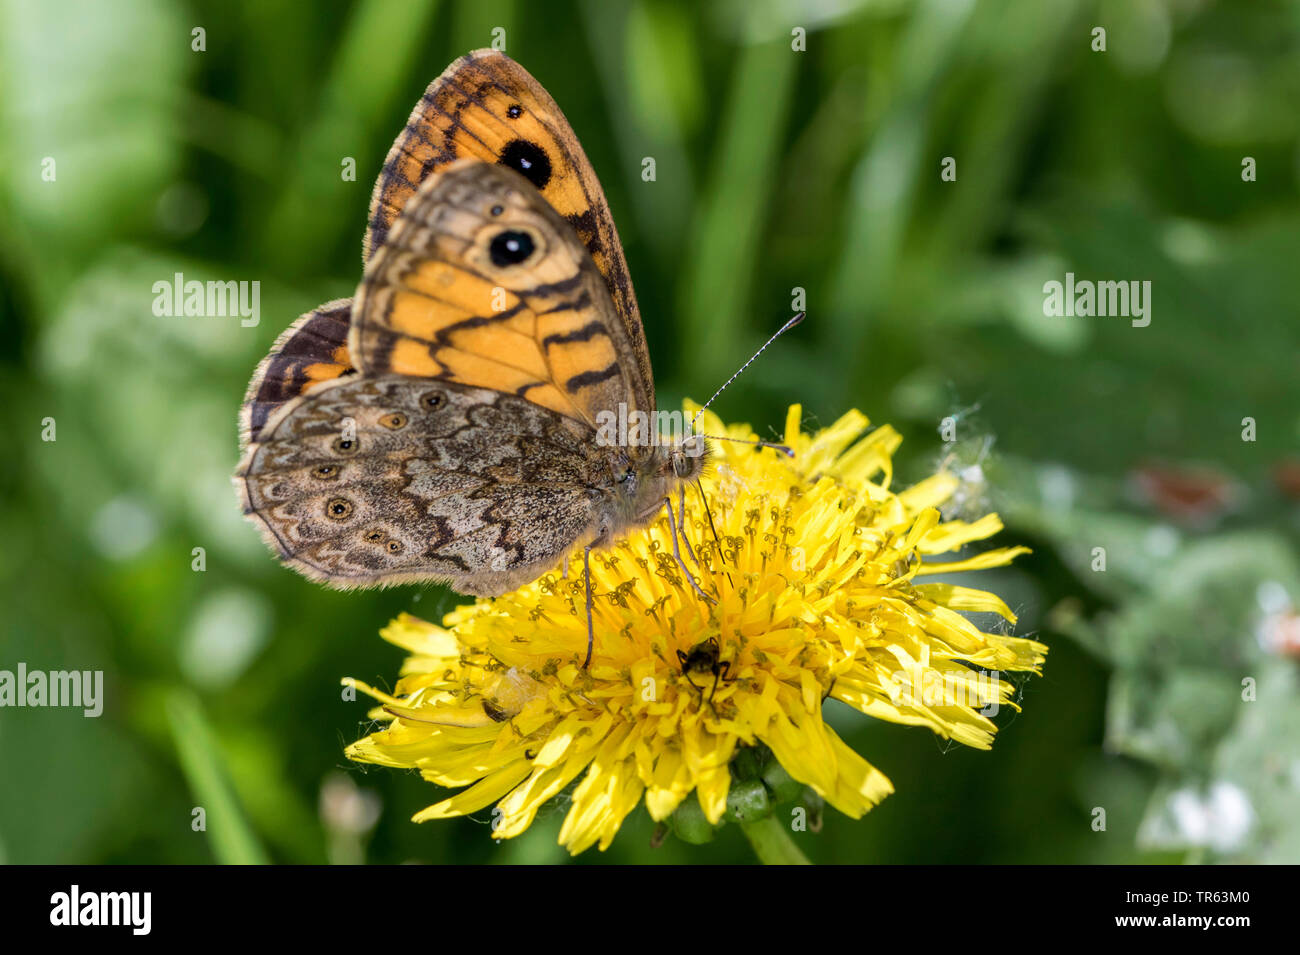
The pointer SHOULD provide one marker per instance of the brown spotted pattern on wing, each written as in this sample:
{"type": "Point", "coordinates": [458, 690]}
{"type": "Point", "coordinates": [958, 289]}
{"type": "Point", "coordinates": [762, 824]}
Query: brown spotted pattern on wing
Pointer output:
{"type": "Point", "coordinates": [311, 350]}
{"type": "Point", "coordinates": [486, 106]}
{"type": "Point", "coordinates": [387, 479]}
{"type": "Point", "coordinates": [481, 282]}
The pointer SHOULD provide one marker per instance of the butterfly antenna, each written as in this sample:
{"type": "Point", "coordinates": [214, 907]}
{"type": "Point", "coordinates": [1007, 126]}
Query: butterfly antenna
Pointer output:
{"type": "Point", "coordinates": [783, 448]}
{"type": "Point", "coordinates": [781, 331]}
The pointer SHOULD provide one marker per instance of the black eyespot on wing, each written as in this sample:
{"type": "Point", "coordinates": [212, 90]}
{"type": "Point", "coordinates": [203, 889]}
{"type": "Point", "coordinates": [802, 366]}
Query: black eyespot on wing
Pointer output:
{"type": "Point", "coordinates": [529, 159]}
{"type": "Point", "coordinates": [498, 209]}
{"type": "Point", "coordinates": [346, 446]}
{"type": "Point", "coordinates": [432, 400]}
{"type": "Point", "coordinates": [338, 509]}
{"type": "Point", "coordinates": [510, 247]}
{"type": "Point", "coordinates": [394, 421]}
{"type": "Point", "coordinates": [515, 111]}
{"type": "Point", "coordinates": [325, 472]}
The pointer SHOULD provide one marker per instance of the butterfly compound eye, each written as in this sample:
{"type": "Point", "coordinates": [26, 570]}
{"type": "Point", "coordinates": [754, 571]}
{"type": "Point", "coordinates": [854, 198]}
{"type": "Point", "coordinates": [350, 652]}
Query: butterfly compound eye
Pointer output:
{"type": "Point", "coordinates": [510, 247]}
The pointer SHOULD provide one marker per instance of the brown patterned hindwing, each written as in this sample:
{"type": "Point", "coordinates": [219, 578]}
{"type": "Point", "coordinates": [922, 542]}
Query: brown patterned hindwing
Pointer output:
{"type": "Point", "coordinates": [382, 480]}
{"type": "Point", "coordinates": [486, 106]}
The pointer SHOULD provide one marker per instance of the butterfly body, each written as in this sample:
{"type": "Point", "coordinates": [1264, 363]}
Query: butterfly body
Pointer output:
{"type": "Point", "coordinates": [443, 425]}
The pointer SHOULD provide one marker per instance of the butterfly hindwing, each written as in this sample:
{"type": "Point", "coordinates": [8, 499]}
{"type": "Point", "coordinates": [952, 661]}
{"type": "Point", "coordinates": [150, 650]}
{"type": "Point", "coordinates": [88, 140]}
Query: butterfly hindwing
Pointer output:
{"type": "Point", "coordinates": [380, 480]}
{"type": "Point", "coordinates": [486, 106]}
{"type": "Point", "coordinates": [481, 282]}
{"type": "Point", "coordinates": [312, 350]}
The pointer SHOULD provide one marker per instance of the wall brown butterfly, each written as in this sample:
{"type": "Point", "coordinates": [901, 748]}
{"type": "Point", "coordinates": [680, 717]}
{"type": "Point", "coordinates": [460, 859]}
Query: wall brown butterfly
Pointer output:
{"type": "Point", "coordinates": [442, 425]}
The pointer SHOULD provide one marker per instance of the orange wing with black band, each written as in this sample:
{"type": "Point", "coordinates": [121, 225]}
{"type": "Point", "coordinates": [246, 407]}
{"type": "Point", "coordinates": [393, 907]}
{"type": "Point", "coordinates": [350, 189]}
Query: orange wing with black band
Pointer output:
{"type": "Point", "coordinates": [486, 106]}
{"type": "Point", "coordinates": [481, 282]}
{"type": "Point", "coordinates": [311, 350]}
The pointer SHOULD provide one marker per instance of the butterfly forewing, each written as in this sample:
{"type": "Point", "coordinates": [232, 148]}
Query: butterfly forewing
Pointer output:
{"type": "Point", "coordinates": [486, 106]}
{"type": "Point", "coordinates": [481, 282]}
{"type": "Point", "coordinates": [312, 350]}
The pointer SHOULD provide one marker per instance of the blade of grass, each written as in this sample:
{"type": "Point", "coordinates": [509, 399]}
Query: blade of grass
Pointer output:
{"type": "Point", "coordinates": [884, 182]}
{"type": "Point", "coordinates": [357, 95]}
{"type": "Point", "coordinates": [233, 843]}
{"type": "Point", "coordinates": [651, 81]}
{"type": "Point", "coordinates": [721, 262]}
{"type": "Point", "coordinates": [473, 26]}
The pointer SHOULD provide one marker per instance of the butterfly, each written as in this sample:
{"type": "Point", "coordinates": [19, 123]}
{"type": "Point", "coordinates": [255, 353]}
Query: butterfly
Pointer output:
{"type": "Point", "coordinates": [444, 424]}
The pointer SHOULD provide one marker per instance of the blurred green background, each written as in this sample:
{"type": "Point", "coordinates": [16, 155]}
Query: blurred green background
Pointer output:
{"type": "Point", "coordinates": [776, 169]}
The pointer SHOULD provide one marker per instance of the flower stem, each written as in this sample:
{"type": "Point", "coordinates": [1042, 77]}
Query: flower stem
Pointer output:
{"type": "Point", "coordinates": [772, 844]}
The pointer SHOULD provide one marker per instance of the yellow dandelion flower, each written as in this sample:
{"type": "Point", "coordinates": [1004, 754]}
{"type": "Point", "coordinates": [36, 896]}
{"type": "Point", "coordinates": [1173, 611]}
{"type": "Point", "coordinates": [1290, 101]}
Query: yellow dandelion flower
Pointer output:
{"type": "Point", "coordinates": [817, 571]}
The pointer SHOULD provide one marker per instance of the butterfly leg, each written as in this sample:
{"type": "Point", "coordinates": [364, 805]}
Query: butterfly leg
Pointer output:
{"type": "Point", "coordinates": [677, 553]}
{"type": "Point", "coordinates": [586, 579]}
{"type": "Point", "coordinates": [681, 506]}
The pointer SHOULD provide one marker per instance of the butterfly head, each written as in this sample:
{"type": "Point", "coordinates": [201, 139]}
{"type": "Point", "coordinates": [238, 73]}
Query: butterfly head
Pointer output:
{"type": "Point", "coordinates": [686, 458]}
{"type": "Point", "coordinates": [642, 480]}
